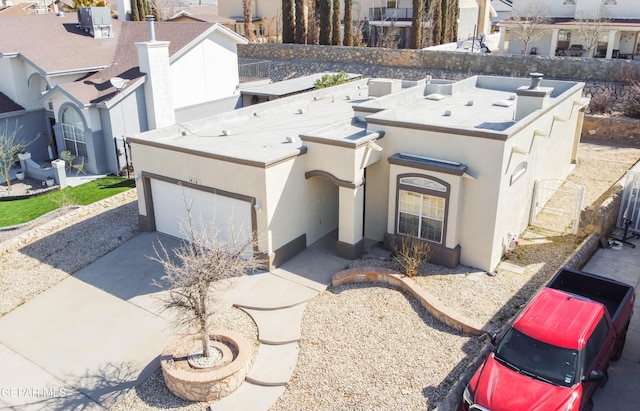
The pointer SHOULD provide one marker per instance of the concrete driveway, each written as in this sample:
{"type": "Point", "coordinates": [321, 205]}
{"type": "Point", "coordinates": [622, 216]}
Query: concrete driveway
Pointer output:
{"type": "Point", "coordinates": [621, 392]}
{"type": "Point", "coordinates": [82, 343]}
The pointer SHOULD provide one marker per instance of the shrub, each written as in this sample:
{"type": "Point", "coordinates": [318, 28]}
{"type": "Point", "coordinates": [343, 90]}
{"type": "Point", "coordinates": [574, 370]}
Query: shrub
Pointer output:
{"type": "Point", "coordinates": [410, 252]}
{"type": "Point", "coordinates": [633, 104]}
{"type": "Point", "coordinates": [328, 80]}
{"type": "Point", "coordinates": [600, 102]}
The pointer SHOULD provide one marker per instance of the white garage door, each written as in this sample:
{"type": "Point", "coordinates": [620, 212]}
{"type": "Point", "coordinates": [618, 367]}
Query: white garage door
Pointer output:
{"type": "Point", "coordinates": [210, 213]}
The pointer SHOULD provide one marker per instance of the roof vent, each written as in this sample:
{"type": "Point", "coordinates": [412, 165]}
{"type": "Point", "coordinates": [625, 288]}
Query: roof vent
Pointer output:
{"type": "Point", "coordinates": [503, 103]}
{"type": "Point", "coordinates": [469, 103]}
{"type": "Point", "coordinates": [447, 113]}
{"type": "Point", "coordinates": [434, 96]}
{"type": "Point", "coordinates": [535, 80]}
{"type": "Point", "coordinates": [301, 111]}
{"type": "Point", "coordinates": [226, 132]}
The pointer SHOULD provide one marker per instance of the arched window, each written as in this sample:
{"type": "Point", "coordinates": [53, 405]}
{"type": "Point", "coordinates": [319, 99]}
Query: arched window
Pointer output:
{"type": "Point", "coordinates": [519, 172]}
{"type": "Point", "coordinates": [422, 206]}
{"type": "Point", "coordinates": [73, 132]}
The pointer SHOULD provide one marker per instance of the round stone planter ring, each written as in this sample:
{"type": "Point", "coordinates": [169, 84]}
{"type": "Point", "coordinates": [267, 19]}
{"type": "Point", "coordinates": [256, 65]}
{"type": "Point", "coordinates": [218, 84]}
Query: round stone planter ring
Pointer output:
{"type": "Point", "coordinates": [206, 384]}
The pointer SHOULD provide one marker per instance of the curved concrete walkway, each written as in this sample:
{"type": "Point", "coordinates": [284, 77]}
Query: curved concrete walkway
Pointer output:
{"type": "Point", "coordinates": [276, 301]}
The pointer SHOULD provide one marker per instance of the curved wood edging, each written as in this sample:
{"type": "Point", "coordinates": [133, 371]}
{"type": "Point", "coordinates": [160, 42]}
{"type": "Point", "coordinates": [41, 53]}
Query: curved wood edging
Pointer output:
{"type": "Point", "coordinates": [428, 301]}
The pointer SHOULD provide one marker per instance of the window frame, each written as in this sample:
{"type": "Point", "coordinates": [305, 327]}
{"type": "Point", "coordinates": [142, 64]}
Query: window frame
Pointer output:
{"type": "Point", "coordinates": [423, 191]}
{"type": "Point", "coordinates": [73, 135]}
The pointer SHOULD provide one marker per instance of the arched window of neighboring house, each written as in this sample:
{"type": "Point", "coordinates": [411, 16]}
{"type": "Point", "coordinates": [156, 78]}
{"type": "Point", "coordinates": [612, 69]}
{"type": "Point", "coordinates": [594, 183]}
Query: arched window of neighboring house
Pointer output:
{"type": "Point", "coordinates": [73, 132]}
{"type": "Point", "coordinates": [422, 206]}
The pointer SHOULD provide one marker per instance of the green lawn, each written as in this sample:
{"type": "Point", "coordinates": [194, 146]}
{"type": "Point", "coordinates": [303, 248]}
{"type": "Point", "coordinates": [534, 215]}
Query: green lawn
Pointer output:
{"type": "Point", "coordinates": [21, 211]}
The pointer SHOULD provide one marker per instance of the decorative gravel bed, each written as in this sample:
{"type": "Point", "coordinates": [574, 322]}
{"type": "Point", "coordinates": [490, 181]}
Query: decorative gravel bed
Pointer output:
{"type": "Point", "coordinates": [366, 347]}
{"type": "Point", "coordinates": [45, 261]}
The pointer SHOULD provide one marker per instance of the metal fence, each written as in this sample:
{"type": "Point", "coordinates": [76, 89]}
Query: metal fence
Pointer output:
{"type": "Point", "coordinates": [254, 71]}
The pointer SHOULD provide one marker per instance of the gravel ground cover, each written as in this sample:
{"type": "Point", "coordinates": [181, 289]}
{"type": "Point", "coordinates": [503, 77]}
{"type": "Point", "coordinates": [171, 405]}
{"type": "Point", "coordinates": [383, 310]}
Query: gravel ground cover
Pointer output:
{"type": "Point", "coordinates": [366, 347]}
{"type": "Point", "coordinates": [39, 265]}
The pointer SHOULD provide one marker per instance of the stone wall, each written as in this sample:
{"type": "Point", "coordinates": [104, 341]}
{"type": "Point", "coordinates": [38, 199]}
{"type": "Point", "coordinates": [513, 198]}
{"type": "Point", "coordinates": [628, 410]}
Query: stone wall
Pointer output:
{"type": "Point", "coordinates": [619, 129]}
{"type": "Point", "coordinates": [295, 60]}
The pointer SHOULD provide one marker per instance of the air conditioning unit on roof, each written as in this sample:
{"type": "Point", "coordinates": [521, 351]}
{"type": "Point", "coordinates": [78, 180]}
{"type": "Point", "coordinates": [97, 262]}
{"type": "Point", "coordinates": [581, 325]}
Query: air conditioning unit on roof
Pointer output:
{"type": "Point", "coordinates": [96, 21]}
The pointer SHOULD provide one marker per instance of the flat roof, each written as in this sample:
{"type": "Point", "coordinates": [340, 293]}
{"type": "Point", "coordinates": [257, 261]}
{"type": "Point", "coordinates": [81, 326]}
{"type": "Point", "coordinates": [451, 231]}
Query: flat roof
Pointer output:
{"type": "Point", "coordinates": [265, 133]}
{"type": "Point", "coordinates": [288, 87]}
{"type": "Point", "coordinates": [270, 132]}
{"type": "Point", "coordinates": [479, 105]}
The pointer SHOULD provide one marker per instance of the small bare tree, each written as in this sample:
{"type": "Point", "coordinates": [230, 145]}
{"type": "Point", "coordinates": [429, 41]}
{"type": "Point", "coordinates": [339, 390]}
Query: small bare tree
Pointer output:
{"type": "Point", "coordinates": [410, 252]}
{"type": "Point", "coordinates": [200, 268]}
{"type": "Point", "coordinates": [528, 22]}
{"type": "Point", "coordinates": [11, 144]}
{"type": "Point", "coordinates": [591, 29]}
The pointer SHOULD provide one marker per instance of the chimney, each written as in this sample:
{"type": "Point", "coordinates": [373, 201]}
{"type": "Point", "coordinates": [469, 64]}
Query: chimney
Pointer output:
{"type": "Point", "coordinates": [532, 98]}
{"type": "Point", "coordinates": [153, 58]}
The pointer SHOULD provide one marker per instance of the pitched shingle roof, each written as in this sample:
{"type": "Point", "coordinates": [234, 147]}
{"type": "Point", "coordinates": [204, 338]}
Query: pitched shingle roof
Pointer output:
{"type": "Point", "coordinates": [56, 45]}
{"type": "Point", "coordinates": [7, 105]}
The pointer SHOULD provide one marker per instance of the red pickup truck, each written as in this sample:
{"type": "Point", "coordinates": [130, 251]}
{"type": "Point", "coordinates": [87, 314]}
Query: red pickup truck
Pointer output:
{"type": "Point", "coordinates": [557, 350]}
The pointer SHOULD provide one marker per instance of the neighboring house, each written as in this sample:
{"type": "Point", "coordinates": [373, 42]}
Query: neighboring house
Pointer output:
{"type": "Point", "coordinates": [503, 10]}
{"type": "Point", "coordinates": [615, 24]}
{"type": "Point", "coordinates": [451, 162]}
{"type": "Point", "coordinates": [200, 13]}
{"type": "Point", "coordinates": [375, 16]}
{"type": "Point", "coordinates": [83, 90]}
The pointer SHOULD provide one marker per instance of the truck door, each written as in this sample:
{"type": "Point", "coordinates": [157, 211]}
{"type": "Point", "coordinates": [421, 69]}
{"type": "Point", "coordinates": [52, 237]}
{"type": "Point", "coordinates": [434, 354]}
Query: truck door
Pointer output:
{"type": "Point", "coordinates": [597, 352]}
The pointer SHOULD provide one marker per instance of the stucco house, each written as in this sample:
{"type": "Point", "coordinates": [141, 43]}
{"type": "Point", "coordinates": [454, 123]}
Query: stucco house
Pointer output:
{"type": "Point", "coordinates": [451, 162]}
{"type": "Point", "coordinates": [570, 25]}
{"type": "Point", "coordinates": [84, 85]}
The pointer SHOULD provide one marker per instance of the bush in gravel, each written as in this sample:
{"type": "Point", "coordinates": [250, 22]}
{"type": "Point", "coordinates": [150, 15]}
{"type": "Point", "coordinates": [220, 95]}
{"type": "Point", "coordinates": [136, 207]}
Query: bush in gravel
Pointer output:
{"type": "Point", "coordinates": [633, 105]}
{"type": "Point", "coordinates": [599, 103]}
{"type": "Point", "coordinates": [410, 252]}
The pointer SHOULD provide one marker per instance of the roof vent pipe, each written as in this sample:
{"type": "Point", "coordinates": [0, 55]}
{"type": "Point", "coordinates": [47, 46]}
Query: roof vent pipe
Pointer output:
{"type": "Point", "coordinates": [151, 28]}
{"type": "Point", "coordinates": [535, 80]}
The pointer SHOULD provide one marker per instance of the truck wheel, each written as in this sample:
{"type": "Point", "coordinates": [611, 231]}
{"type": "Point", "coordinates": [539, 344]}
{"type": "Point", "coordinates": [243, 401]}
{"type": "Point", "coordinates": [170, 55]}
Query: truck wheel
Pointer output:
{"type": "Point", "coordinates": [618, 353]}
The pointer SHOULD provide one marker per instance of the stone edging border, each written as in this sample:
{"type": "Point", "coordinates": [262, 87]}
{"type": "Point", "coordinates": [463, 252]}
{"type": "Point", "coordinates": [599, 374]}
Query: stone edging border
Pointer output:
{"type": "Point", "coordinates": [428, 301]}
{"type": "Point", "coordinates": [72, 217]}
{"type": "Point", "coordinates": [206, 384]}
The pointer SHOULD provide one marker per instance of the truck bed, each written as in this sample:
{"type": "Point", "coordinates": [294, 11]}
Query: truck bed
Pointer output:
{"type": "Point", "coordinates": [611, 293]}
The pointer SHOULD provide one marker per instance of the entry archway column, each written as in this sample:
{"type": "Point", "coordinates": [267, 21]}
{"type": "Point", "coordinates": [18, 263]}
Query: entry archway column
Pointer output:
{"type": "Point", "coordinates": [350, 222]}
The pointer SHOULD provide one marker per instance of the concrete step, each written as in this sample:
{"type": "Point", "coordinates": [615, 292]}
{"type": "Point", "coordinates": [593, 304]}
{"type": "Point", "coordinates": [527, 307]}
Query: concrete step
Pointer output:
{"type": "Point", "coordinates": [280, 326]}
{"type": "Point", "coordinates": [271, 292]}
{"type": "Point", "coordinates": [249, 397]}
{"type": "Point", "coordinates": [274, 364]}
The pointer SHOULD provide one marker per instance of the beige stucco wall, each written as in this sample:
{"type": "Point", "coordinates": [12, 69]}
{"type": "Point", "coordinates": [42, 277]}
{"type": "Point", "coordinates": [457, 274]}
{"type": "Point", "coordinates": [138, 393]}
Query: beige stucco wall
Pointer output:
{"type": "Point", "coordinates": [290, 205]}
{"type": "Point", "coordinates": [231, 177]}
{"type": "Point", "coordinates": [297, 206]}
{"type": "Point", "coordinates": [489, 205]}
{"type": "Point", "coordinates": [477, 204]}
